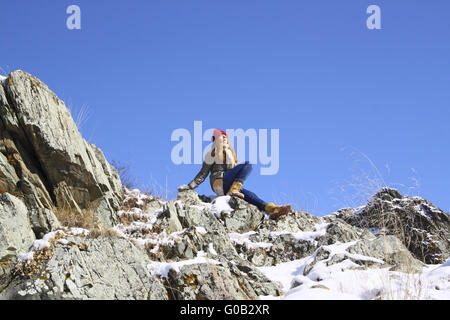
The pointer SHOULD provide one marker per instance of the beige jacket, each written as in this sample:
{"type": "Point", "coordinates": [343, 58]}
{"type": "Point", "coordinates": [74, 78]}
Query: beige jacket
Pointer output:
{"type": "Point", "coordinates": [216, 163]}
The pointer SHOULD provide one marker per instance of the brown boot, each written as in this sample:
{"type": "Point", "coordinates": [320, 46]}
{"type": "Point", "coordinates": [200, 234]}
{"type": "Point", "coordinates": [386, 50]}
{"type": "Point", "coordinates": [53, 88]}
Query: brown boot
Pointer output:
{"type": "Point", "coordinates": [235, 190]}
{"type": "Point", "coordinates": [277, 211]}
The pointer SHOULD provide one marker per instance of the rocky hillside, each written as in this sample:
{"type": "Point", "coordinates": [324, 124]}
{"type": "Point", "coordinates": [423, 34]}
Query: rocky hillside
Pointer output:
{"type": "Point", "coordinates": [70, 230]}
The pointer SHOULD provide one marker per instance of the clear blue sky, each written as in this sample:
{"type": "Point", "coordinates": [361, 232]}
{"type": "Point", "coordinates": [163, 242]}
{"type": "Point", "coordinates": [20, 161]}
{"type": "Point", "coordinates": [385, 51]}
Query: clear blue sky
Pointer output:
{"type": "Point", "coordinates": [309, 68]}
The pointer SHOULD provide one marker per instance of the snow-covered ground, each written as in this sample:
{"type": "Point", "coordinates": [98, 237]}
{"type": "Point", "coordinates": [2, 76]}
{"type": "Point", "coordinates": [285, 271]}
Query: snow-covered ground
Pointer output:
{"type": "Point", "coordinates": [341, 282]}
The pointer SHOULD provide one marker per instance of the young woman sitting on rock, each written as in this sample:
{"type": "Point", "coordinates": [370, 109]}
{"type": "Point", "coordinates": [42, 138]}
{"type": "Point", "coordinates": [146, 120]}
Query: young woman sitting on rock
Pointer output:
{"type": "Point", "coordinates": [227, 177]}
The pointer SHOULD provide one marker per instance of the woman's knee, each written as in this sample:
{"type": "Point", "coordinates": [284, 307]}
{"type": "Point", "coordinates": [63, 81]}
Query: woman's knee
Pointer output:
{"type": "Point", "coordinates": [248, 165]}
{"type": "Point", "coordinates": [244, 165]}
{"type": "Point", "coordinates": [245, 171]}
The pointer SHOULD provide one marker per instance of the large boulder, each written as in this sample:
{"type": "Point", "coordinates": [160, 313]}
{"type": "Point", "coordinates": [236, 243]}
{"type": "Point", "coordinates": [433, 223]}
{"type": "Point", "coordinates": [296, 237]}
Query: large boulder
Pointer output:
{"type": "Point", "coordinates": [45, 157]}
{"type": "Point", "coordinates": [422, 227]}
{"type": "Point", "coordinates": [389, 249]}
{"type": "Point", "coordinates": [79, 268]}
{"type": "Point", "coordinates": [211, 281]}
{"type": "Point", "coordinates": [380, 252]}
{"type": "Point", "coordinates": [246, 217]}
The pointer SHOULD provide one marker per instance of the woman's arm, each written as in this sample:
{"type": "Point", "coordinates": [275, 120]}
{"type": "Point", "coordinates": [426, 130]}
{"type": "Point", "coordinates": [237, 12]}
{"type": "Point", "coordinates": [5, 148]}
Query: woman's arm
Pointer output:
{"type": "Point", "coordinates": [201, 176]}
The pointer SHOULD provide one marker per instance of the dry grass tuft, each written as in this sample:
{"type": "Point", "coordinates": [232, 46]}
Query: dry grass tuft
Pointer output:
{"type": "Point", "coordinates": [72, 219]}
{"type": "Point", "coordinates": [98, 232]}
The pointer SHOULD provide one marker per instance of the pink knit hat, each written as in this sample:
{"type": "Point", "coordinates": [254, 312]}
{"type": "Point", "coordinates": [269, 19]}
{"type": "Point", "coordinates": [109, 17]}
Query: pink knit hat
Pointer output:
{"type": "Point", "coordinates": [218, 133]}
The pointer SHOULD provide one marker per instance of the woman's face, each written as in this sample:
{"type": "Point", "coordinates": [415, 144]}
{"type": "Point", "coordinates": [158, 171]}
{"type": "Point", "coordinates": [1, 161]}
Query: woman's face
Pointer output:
{"type": "Point", "coordinates": [222, 139]}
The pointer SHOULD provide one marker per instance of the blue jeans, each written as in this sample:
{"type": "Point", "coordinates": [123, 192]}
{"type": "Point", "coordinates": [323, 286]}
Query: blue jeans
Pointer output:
{"type": "Point", "coordinates": [240, 173]}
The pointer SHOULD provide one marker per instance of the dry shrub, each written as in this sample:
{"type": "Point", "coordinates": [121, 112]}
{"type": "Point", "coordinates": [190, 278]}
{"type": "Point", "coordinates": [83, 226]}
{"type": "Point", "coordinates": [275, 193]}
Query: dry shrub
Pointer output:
{"type": "Point", "coordinates": [132, 202]}
{"type": "Point", "coordinates": [128, 180]}
{"type": "Point", "coordinates": [127, 219]}
{"type": "Point", "coordinates": [72, 219]}
{"type": "Point", "coordinates": [28, 268]}
{"type": "Point", "coordinates": [97, 232]}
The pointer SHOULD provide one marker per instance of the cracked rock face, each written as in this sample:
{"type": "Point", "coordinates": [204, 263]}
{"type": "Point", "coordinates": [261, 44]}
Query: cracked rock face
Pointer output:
{"type": "Point", "coordinates": [16, 235]}
{"type": "Point", "coordinates": [44, 157]}
{"type": "Point", "coordinates": [105, 268]}
{"type": "Point", "coordinates": [219, 282]}
{"type": "Point", "coordinates": [420, 225]}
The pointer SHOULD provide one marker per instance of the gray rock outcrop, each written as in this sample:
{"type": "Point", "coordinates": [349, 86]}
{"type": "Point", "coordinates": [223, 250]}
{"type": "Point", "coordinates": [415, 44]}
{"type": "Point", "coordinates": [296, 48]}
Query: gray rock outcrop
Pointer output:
{"type": "Point", "coordinates": [44, 157]}
{"type": "Point", "coordinates": [105, 268]}
{"type": "Point", "coordinates": [422, 227]}
{"type": "Point", "coordinates": [141, 247]}
{"type": "Point", "coordinates": [219, 282]}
